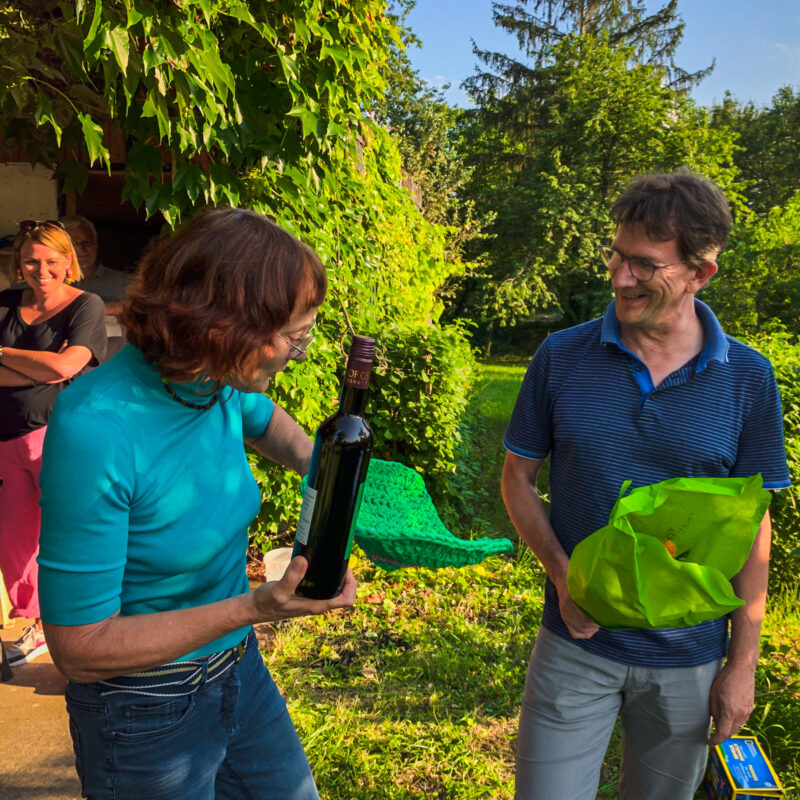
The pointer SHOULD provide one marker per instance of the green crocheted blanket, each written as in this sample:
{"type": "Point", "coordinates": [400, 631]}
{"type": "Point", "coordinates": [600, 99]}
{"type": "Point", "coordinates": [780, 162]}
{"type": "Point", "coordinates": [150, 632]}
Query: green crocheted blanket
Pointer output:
{"type": "Point", "coordinates": [398, 526]}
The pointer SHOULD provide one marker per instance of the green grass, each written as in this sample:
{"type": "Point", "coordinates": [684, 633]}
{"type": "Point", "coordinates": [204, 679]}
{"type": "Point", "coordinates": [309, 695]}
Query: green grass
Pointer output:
{"type": "Point", "coordinates": [415, 692]}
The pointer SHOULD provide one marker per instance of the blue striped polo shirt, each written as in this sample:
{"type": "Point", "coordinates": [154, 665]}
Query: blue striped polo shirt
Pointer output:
{"type": "Point", "coordinates": [590, 402]}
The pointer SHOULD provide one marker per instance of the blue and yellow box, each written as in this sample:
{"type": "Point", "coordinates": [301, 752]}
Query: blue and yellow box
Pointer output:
{"type": "Point", "coordinates": [739, 770]}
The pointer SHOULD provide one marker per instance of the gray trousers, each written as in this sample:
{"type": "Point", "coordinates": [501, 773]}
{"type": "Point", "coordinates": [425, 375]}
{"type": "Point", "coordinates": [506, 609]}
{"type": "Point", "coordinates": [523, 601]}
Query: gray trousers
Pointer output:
{"type": "Point", "coordinates": [571, 701]}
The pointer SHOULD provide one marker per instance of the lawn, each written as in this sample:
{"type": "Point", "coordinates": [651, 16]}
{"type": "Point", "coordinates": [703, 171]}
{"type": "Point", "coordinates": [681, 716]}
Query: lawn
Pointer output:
{"type": "Point", "coordinates": [415, 692]}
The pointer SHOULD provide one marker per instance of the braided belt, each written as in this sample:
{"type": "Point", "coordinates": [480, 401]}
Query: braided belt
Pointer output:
{"type": "Point", "coordinates": [178, 678]}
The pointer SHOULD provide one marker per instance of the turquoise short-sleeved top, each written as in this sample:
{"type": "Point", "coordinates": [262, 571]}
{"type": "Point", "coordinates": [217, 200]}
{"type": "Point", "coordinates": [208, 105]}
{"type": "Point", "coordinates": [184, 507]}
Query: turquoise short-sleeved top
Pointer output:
{"type": "Point", "coordinates": [146, 504]}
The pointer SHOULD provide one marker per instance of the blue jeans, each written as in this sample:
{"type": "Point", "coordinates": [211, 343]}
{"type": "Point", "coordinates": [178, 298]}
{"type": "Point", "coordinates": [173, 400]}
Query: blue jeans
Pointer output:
{"type": "Point", "coordinates": [230, 739]}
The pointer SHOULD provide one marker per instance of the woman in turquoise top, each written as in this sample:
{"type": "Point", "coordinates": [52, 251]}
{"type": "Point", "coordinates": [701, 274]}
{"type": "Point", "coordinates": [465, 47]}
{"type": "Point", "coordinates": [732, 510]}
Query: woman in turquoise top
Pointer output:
{"type": "Point", "coordinates": [143, 589]}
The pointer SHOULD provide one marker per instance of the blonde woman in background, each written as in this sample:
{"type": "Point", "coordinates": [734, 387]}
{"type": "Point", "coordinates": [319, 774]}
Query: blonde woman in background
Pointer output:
{"type": "Point", "coordinates": [49, 332]}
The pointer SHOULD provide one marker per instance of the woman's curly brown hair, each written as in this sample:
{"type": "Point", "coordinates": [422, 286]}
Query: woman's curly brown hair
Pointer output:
{"type": "Point", "coordinates": [204, 299]}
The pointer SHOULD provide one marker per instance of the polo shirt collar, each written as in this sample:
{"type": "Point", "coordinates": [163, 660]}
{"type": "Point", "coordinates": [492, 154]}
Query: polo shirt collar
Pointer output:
{"type": "Point", "coordinates": [716, 346]}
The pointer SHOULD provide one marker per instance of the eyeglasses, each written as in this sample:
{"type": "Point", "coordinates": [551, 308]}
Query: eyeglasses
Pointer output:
{"type": "Point", "coordinates": [641, 269]}
{"type": "Point", "coordinates": [28, 225]}
{"type": "Point", "coordinates": [301, 343]}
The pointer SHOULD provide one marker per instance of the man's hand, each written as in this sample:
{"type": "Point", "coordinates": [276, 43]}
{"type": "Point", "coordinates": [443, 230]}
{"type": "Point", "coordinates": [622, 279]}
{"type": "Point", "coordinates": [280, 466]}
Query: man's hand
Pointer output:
{"type": "Point", "coordinates": [578, 624]}
{"type": "Point", "coordinates": [732, 700]}
{"type": "Point", "coordinates": [276, 600]}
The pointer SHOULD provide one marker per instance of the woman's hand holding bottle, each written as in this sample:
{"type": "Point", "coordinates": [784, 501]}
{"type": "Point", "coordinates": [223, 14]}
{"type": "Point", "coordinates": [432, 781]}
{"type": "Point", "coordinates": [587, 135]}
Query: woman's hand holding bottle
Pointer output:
{"type": "Point", "coordinates": [276, 600]}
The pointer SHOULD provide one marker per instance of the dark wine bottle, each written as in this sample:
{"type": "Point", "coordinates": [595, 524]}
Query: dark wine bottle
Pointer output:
{"type": "Point", "coordinates": [339, 461]}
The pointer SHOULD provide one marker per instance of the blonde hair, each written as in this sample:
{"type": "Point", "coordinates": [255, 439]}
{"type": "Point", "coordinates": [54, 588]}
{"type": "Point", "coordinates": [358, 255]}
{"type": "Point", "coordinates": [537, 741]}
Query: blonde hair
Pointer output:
{"type": "Point", "coordinates": [50, 235]}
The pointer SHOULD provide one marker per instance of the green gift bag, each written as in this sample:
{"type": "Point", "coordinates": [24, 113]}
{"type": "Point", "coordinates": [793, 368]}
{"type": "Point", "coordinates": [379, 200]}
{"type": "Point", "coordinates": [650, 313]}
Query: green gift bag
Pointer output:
{"type": "Point", "coordinates": [667, 555]}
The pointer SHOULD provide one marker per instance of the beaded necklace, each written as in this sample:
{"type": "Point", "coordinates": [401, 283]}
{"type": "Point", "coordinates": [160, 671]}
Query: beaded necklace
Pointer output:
{"type": "Point", "coordinates": [196, 406]}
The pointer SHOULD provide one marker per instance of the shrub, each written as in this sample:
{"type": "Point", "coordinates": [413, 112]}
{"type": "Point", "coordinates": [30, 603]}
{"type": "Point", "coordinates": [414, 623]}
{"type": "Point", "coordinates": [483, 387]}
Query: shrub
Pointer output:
{"type": "Point", "coordinates": [783, 350]}
{"type": "Point", "coordinates": [384, 262]}
{"type": "Point", "coordinates": [758, 286]}
{"type": "Point", "coordinates": [421, 390]}
{"type": "Point", "coordinates": [418, 397]}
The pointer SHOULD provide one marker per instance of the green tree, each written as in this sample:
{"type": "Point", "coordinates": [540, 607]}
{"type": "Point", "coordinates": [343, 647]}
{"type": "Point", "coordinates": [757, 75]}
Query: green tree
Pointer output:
{"type": "Point", "coordinates": [768, 153]}
{"type": "Point", "coordinates": [537, 25]}
{"type": "Point", "coordinates": [426, 130]}
{"type": "Point", "coordinates": [555, 135]}
{"type": "Point", "coordinates": [758, 286]}
{"type": "Point", "coordinates": [602, 119]}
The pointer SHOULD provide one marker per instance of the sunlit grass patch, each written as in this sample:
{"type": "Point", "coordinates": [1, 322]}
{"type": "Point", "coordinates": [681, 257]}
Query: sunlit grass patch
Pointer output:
{"type": "Point", "coordinates": [415, 691]}
{"type": "Point", "coordinates": [776, 718]}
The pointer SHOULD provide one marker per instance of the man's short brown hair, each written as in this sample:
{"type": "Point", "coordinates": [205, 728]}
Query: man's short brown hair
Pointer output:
{"type": "Point", "coordinates": [205, 298]}
{"type": "Point", "coordinates": [679, 205]}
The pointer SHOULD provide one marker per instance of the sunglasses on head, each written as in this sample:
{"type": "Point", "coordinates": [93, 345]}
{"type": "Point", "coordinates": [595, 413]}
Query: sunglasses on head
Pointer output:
{"type": "Point", "coordinates": [28, 225]}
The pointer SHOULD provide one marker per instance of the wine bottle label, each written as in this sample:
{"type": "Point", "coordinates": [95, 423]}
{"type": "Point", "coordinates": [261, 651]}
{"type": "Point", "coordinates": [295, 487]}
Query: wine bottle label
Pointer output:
{"type": "Point", "coordinates": [357, 374]}
{"type": "Point", "coordinates": [306, 513]}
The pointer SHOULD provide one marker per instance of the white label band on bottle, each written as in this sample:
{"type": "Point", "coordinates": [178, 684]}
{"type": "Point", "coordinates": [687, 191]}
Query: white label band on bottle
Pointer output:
{"type": "Point", "coordinates": [306, 513]}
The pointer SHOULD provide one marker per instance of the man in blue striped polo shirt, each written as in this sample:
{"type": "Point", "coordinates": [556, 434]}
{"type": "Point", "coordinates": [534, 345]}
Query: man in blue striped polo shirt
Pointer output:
{"type": "Point", "coordinates": [652, 390]}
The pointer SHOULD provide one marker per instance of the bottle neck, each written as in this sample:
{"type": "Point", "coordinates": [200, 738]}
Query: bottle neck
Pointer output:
{"type": "Point", "coordinates": [353, 400]}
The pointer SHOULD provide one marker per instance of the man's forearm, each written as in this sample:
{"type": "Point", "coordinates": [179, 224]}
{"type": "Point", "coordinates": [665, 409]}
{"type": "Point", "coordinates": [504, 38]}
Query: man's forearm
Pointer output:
{"type": "Point", "coordinates": [750, 585]}
{"type": "Point", "coordinates": [733, 692]}
{"type": "Point", "coordinates": [526, 511]}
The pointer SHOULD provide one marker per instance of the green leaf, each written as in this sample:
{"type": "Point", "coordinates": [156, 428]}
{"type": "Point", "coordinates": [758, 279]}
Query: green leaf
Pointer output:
{"type": "Point", "coordinates": [93, 136]}
{"type": "Point", "coordinates": [71, 175]}
{"type": "Point", "coordinates": [288, 65]}
{"type": "Point", "coordinates": [336, 52]}
{"type": "Point", "coordinates": [311, 123]}
{"type": "Point", "coordinates": [149, 107]}
{"type": "Point", "coordinates": [119, 44]}
{"type": "Point", "coordinates": [92, 51]}
{"type": "Point", "coordinates": [158, 199]}
{"type": "Point", "coordinates": [69, 41]}
{"type": "Point", "coordinates": [91, 35]}
{"type": "Point", "coordinates": [224, 182]}
{"type": "Point", "coordinates": [134, 16]}
{"type": "Point", "coordinates": [143, 159]}
{"type": "Point", "coordinates": [135, 189]}
{"type": "Point", "coordinates": [242, 13]}
{"type": "Point", "coordinates": [152, 57]}
{"type": "Point", "coordinates": [205, 7]}
{"type": "Point", "coordinates": [155, 106]}
{"type": "Point", "coordinates": [44, 114]}
{"type": "Point", "coordinates": [190, 178]}
{"type": "Point", "coordinates": [219, 73]}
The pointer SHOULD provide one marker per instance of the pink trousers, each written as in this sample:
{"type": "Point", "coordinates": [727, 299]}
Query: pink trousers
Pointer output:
{"type": "Point", "coordinates": [20, 462]}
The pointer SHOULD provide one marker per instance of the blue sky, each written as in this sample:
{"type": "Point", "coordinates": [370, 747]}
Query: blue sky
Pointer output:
{"type": "Point", "coordinates": [756, 44]}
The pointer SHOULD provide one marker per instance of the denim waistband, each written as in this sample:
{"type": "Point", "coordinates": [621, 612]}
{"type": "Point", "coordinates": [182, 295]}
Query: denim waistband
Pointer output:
{"type": "Point", "coordinates": [177, 678]}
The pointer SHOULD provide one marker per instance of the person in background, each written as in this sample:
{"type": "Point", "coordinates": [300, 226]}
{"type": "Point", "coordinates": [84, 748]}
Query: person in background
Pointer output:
{"type": "Point", "coordinates": [109, 283]}
{"type": "Point", "coordinates": [49, 332]}
{"type": "Point", "coordinates": [654, 389]}
{"type": "Point", "coordinates": [145, 597]}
